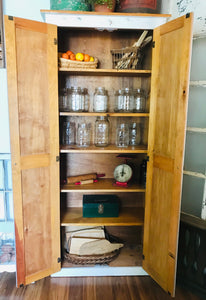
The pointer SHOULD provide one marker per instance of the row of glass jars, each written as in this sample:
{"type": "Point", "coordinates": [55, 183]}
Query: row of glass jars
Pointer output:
{"type": "Point", "coordinates": [76, 99]}
{"type": "Point", "coordinates": [126, 133]}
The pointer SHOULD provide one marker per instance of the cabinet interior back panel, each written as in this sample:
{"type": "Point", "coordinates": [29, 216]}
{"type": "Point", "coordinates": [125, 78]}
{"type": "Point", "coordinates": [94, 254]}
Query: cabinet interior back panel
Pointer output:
{"type": "Point", "coordinates": [98, 43]}
{"type": "Point", "coordinates": [33, 101]}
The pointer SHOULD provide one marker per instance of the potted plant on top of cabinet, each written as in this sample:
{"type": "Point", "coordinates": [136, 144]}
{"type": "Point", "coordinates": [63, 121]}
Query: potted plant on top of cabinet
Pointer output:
{"type": "Point", "coordinates": [103, 5]}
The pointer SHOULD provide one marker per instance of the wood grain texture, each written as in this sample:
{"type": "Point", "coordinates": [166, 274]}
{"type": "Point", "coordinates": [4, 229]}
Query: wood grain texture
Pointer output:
{"type": "Point", "coordinates": [103, 185]}
{"type": "Point", "coordinates": [33, 106]}
{"type": "Point", "coordinates": [127, 217]}
{"type": "Point", "coordinates": [90, 288]}
{"type": "Point", "coordinates": [15, 145]}
{"type": "Point", "coordinates": [166, 149]}
{"type": "Point", "coordinates": [109, 149]}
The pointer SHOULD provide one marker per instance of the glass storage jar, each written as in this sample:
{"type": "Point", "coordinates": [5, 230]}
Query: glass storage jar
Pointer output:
{"type": "Point", "coordinates": [119, 104]}
{"type": "Point", "coordinates": [134, 134]}
{"type": "Point", "coordinates": [63, 100]}
{"type": "Point", "coordinates": [139, 101]}
{"type": "Point", "coordinates": [83, 134]}
{"type": "Point", "coordinates": [75, 99]}
{"type": "Point", "coordinates": [122, 135]}
{"type": "Point", "coordinates": [128, 100]}
{"type": "Point", "coordinates": [101, 134]}
{"type": "Point", "coordinates": [100, 103]}
{"type": "Point", "coordinates": [68, 133]}
{"type": "Point", "coordinates": [85, 99]}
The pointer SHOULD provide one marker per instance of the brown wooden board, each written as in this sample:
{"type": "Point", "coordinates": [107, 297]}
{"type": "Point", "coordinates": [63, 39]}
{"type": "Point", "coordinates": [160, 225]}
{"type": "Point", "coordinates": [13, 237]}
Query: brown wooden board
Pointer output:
{"type": "Point", "coordinates": [33, 110]}
{"type": "Point", "coordinates": [170, 75]}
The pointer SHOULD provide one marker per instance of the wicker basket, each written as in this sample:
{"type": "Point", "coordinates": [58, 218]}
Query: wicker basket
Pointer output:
{"type": "Point", "coordinates": [91, 259]}
{"type": "Point", "coordinates": [135, 55]}
{"type": "Point", "coordinates": [74, 64]}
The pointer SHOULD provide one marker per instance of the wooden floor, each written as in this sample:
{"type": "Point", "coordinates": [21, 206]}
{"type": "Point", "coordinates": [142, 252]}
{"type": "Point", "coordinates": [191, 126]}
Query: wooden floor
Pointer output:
{"type": "Point", "coordinates": [89, 288]}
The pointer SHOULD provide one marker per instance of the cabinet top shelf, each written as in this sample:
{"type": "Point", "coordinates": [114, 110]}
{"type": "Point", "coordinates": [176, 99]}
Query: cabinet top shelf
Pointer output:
{"type": "Point", "coordinates": [101, 21]}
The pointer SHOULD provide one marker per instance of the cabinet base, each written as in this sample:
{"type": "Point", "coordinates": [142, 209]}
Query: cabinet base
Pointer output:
{"type": "Point", "coordinates": [98, 270]}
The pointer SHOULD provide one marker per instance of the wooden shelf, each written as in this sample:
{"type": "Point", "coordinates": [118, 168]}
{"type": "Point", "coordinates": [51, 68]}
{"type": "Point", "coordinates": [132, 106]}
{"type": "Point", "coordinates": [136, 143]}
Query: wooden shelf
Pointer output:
{"type": "Point", "coordinates": [127, 217]}
{"type": "Point", "coordinates": [95, 114]}
{"type": "Point", "coordinates": [109, 149]}
{"type": "Point", "coordinates": [103, 185]}
{"type": "Point", "coordinates": [105, 72]}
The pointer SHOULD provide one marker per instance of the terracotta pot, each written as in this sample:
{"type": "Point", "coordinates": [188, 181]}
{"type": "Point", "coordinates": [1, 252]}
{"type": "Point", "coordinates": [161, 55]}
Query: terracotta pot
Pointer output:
{"type": "Point", "coordinates": [104, 8]}
{"type": "Point", "coordinates": [139, 6]}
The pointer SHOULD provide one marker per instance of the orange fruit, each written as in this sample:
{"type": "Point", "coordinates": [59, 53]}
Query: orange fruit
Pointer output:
{"type": "Point", "coordinates": [91, 58]}
{"type": "Point", "coordinates": [72, 56]}
{"type": "Point", "coordinates": [86, 57]}
{"type": "Point", "coordinates": [65, 55]}
{"type": "Point", "coordinates": [69, 52]}
{"type": "Point", "coordinates": [80, 56]}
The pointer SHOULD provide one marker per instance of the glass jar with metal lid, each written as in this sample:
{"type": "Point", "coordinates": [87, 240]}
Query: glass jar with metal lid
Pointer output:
{"type": "Point", "coordinates": [100, 103]}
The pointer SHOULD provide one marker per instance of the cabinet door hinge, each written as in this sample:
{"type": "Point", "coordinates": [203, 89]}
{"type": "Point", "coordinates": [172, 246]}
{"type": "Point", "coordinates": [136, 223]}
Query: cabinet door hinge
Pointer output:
{"type": "Point", "coordinates": [59, 259]}
{"type": "Point", "coordinates": [57, 158]}
{"type": "Point", "coordinates": [187, 15]}
{"type": "Point", "coordinates": [143, 257]}
{"type": "Point", "coordinates": [11, 18]}
{"type": "Point", "coordinates": [55, 41]}
{"type": "Point", "coordinates": [21, 285]}
{"type": "Point", "coordinates": [153, 44]}
{"type": "Point", "coordinates": [147, 158]}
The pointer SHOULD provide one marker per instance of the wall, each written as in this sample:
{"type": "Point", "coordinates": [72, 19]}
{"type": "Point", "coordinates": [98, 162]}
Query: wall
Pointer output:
{"type": "Point", "coordinates": [24, 9]}
{"type": "Point", "coordinates": [194, 187]}
{"type": "Point", "coordinates": [180, 7]}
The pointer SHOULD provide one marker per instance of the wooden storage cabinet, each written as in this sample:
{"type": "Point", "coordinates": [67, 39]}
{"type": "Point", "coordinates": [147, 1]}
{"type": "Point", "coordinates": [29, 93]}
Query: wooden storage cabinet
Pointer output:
{"type": "Point", "coordinates": [104, 160]}
{"type": "Point", "coordinates": [33, 82]}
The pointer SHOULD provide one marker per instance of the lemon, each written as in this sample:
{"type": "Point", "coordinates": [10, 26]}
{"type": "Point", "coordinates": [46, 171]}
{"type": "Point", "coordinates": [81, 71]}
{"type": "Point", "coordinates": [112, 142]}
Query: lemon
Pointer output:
{"type": "Point", "coordinates": [91, 58]}
{"type": "Point", "coordinates": [79, 56]}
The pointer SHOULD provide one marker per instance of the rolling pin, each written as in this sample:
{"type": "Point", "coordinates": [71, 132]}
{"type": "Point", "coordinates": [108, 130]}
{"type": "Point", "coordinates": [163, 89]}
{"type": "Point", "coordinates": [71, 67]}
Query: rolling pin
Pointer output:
{"type": "Point", "coordinates": [73, 179]}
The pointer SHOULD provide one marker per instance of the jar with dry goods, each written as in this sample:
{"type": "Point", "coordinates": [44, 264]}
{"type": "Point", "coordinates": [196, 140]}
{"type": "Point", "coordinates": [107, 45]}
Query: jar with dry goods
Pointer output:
{"type": "Point", "coordinates": [75, 99]}
{"type": "Point", "coordinates": [100, 103]}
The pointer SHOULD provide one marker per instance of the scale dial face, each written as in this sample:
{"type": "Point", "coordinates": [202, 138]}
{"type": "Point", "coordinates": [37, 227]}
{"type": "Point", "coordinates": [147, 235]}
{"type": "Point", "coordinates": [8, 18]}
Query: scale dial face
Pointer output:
{"type": "Point", "coordinates": [123, 173]}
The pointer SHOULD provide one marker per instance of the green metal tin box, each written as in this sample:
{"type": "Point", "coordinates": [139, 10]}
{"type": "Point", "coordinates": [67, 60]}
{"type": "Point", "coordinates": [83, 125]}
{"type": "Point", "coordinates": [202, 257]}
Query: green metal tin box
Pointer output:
{"type": "Point", "coordinates": [100, 206]}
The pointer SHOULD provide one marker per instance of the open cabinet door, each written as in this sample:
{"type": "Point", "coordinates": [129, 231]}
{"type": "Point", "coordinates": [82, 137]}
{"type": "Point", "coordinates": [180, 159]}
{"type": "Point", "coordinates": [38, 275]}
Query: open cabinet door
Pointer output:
{"type": "Point", "coordinates": [168, 112]}
{"type": "Point", "coordinates": [31, 52]}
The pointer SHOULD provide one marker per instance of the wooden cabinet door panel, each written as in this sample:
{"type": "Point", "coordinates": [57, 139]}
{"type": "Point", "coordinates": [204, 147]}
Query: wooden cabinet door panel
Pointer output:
{"type": "Point", "coordinates": [169, 93]}
{"type": "Point", "coordinates": [33, 110]}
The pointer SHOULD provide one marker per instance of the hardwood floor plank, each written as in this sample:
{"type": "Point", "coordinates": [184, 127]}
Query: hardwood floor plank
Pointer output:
{"type": "Point", "coordinates": [89, 288]}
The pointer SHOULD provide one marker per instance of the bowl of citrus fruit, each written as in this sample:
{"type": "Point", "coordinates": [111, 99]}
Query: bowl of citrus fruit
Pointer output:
{"type": "Point", "coordinates": [79, 60]}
